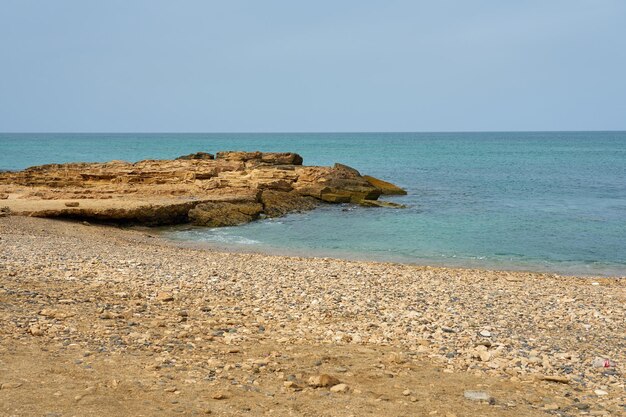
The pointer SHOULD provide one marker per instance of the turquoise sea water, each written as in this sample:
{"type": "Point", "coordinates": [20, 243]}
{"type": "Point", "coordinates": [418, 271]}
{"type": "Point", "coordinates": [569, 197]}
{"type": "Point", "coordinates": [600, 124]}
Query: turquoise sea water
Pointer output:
{"type": "Point", "coordinates": [545, 201]}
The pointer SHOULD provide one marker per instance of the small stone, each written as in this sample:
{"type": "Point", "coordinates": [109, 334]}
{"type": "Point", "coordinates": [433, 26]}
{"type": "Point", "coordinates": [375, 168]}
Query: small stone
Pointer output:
{"type": "Point", "coordinates": [72, 204]}
{"type": "Point", "coordinates": [413, 399]}
{"type": "Point", "coordinates": [406, 392]}
{"type": "Point", "coordinates": [35, 330]}
{"type": "Point", "coordinates": [290, 384]}
{"type": "Point", "coordinates": [219, 396]}
{"type": "Point", "coordinates": [339, 388]}
{"type": "Point", "coordinates": [601, 393]}
{"type": "Point", "coordinates": [477, 395]}
{"type": "Point", "coordinates": [49, 313]}
{"type": "Point", "coordinates": [165, 297]}
{"type": "Point", "coordinates": [170, 389]}
{"type": "Point", "coordinates": [554, 378]}
{"type": "Point", "coordinates": [323, 380]}
{"type": "Point", "coordinates": [485, 333]}
{"type": "Point", "coordinates": [10, 385]}
{"type": "Point", "coordinates": [551, 407]}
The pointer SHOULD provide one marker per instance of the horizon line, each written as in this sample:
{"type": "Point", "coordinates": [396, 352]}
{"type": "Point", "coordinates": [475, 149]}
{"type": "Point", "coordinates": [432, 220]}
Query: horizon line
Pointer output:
{"type": "Point", "coordinates": [307, 132]}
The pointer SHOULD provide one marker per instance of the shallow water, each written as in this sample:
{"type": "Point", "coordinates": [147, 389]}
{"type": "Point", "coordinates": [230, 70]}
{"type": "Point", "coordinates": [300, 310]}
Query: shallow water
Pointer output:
{"type": "Point", "coordinates": [539, 201]}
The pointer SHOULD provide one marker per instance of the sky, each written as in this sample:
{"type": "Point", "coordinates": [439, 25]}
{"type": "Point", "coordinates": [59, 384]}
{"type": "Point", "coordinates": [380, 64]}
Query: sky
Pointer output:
{"type": "Point", "coordinates": [312, 66]}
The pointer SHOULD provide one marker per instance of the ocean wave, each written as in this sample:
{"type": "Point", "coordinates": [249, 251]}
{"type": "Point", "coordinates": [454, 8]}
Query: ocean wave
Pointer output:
{"type": "Point", "coordinates": [229, 239]}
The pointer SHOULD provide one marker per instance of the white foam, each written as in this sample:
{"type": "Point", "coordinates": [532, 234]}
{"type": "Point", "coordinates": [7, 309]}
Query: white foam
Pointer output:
{"type": "Point", "coordinates": [230, 239]}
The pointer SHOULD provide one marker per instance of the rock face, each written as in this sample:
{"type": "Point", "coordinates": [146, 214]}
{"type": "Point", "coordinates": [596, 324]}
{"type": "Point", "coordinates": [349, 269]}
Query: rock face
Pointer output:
{"type": "Point", "coordinates": [339, 184]}
{"type": "Point", "coordinates": [386, 188]}
{"type": "Point", "coordinates": [229, 189]}
{"type": "Point", "coordinates": [278, 203]}
{"type": "Point", "coordinates": [223, 213]}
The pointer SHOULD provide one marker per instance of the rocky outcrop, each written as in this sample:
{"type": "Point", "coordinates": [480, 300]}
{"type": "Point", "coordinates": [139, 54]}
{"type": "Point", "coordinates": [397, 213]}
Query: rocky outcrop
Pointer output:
{"type": "Point", "coordinates": [386, 188]}
{"type": "Point", "coordinates": [221, 213]}
{"type": "Point", "coordinates": [144, 214]}
{"type": "Point", "coordinates": [228, 189]}
{"type": "Point", "coordinates": [339, 184]}
{"type": "Point", "coordinates": [278, 203]}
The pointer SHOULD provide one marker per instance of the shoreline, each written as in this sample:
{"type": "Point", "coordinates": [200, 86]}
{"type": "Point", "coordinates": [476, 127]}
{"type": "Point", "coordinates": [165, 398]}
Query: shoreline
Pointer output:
{"type": "Point", "coordinates": [494, 266]}
{"type": "Point", "coordinates": [251, 329]}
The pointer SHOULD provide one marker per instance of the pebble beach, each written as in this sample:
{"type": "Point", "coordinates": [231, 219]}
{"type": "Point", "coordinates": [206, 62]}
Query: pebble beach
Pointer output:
{"type": "Point", "coordinates": [97, 320]}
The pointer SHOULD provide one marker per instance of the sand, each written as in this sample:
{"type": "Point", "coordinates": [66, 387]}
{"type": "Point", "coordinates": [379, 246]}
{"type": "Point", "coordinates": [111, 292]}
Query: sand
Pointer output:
{"type": "Point", "coordinates": [98, 321]}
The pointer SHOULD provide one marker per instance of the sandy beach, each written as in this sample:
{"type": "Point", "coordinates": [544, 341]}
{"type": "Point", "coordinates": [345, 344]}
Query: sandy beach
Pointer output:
{"type": "Point", "coordinates": [98, 320]}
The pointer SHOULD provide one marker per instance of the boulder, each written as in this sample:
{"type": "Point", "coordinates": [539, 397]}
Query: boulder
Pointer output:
{"type": "Point", "coordinates": [323, 380]}
{"type": "Point", "coordinates": [345, 170]}
{"type": "Point", "coordinates": [281, 158]}
{"type": "Point", "coordinates": [269, 158]}
{"type": "Point", "coordinates": [197, 155]}
{"type": "Point", "coordinates": [339, 184]}
{"type": "Point", "coordinates": [239, 156]}
{"type": "Point", "coordinates": [386, 188]}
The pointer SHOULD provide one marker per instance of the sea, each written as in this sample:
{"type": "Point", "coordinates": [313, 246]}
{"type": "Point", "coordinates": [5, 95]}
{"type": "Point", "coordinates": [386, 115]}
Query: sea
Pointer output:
{"type": "Point", "coordinates": [538, 201]}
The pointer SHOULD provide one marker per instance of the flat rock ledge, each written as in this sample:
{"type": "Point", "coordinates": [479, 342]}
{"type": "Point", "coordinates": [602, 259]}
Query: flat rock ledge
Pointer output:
{"type": "Point", "coordinates": [225, 189]}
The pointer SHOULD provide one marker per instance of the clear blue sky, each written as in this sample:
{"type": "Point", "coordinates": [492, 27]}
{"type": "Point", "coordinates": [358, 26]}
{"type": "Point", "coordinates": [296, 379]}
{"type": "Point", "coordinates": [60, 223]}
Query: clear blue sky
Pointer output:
{"type": "Point", "coordinates": [247, 66]}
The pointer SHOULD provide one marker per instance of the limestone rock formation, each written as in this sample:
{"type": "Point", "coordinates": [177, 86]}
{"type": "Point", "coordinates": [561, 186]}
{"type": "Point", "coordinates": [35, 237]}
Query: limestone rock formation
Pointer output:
{"type": "Point", "coordinates": [228, 189]}
{"type": "Point", "coordinates": [386, 188]}
{"type": "Point", "coordinates": [222, 213]}
{"type": "Point", "coordinates": [278, 203]}
{"type": "Point", "coordinates": [339, 184]}
{"type": "Point", "coordinates": [258, 158]}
